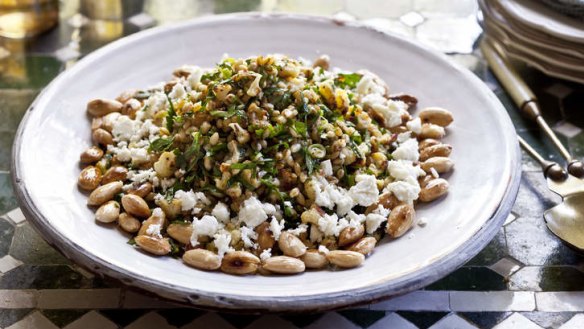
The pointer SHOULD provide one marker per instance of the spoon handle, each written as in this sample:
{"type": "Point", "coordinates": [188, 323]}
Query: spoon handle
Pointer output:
{"type": "Point", "coordinates": [525, 99]}
{"type": "Point", "coordinates": [550, 168]}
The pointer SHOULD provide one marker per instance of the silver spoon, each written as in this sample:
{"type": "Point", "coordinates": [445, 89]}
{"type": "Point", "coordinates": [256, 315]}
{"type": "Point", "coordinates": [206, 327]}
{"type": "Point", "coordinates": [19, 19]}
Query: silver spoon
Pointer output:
{"type": "Point", "coordinates": [566, 220]}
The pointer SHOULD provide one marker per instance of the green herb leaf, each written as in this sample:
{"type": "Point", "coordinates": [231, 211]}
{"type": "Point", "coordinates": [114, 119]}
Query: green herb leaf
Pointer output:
{"type": "Point", "coordinates": [170, 115]}
{"type": "Point", "coordinates": [161, 144]}
{"type": "Point", "coordinates": [241, 166]}
{"type": "Point", "coordinates": [348, 80]}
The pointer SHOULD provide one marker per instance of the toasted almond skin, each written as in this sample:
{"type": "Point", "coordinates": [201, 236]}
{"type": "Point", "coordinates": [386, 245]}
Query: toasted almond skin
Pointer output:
{"type": "Point", "coordinates": [240, 263]}
{"type": "Point", "coordinates": [102, 137]}
{"type": "Point", "coordinates": [202, 259]}
{"type": "Point", "coordinates": [284, 265]}
{"type": "Point", "coordinates": [142, 191]}
{"type": "Point", "coordinates": [154, 219]}
{"type": "Point", "coordinates": [439, 150]}
{"type": "Point", "coordinates": [265, 238]}
{"type": "Point", "coordinates": [108, 212]}
{"type": "Point", "coordinates": [91, 155]}
{"type": "Point", "coordinates": [440, 164]}
{"type": "Point", "coordinates": [433, 190]}
{"type": "Point", "coordinates": [115, 173]}
{"type": "Point", "coordinates": [433, 131]}
{"type": "Point", "coordinates": [129, 223]}
{"type": "Point", "coordinates": [364, 246]}
{"type": "Point", "coordinates": [437, 116]}
{"type": "Point", "coordinates": [350, 234]}
{"type": "Point", "coordinates": [400, 220]}
{"type": "Point", "coordinates": [89, 178]}
{"type": "Point", "coordinates": [135, 206]}
{"type": "Point", "coordinates": [155, 246]}
{"type": "Point", "coordinates": [345, 258]}
{"type": "Point", "coordinates": [291, 245]}
{"type": "Point", "coordinates": [314, 259]}
{"type": "Point", "coordinates": [180, 232]}
{"type": "Point", "coordinates": [100, 107]}
{"type": "Point", "coordinates": [104, 193]}
{"type": "Point", "coordinates": [427, 143]}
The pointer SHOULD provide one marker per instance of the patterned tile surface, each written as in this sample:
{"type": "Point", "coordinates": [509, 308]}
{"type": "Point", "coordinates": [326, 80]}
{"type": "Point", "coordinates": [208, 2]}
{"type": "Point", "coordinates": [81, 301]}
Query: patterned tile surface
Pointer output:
{"type": "Point", "coordinates": [525, 278]}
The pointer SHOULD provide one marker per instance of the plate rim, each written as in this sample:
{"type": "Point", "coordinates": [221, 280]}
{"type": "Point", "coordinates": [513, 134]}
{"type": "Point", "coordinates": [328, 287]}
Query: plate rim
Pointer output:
{"type": "Point", "coordinates": [319, 302]}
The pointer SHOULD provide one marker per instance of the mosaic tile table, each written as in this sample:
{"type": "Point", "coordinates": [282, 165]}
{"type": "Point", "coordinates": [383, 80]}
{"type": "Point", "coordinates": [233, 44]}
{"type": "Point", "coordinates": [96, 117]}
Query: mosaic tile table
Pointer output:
{"type": "Point", "coordinates": [525, 278]}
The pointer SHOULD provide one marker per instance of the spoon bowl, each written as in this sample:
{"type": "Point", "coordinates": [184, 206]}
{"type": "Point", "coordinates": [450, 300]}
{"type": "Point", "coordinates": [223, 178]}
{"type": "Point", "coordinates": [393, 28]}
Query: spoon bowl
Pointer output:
{"type": "Point", "coordinates": [566, 220]}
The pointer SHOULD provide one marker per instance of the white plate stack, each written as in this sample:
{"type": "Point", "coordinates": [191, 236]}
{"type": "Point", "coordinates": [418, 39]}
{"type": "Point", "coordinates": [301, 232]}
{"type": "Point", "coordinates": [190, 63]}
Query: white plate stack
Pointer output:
{"type": "Point", "coordinates": [531, 32]}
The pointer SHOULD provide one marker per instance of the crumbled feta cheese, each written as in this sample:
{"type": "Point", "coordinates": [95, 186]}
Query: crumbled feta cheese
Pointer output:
{"type": "Point", "coordinates": [327, 167]}
{"type": "Point", "coordinates": [365, 192]}
{"type": "Point", "coordinates": [155, 103]}
{"type": "Point", "coordinates": [266, 254]}
{"type": "Point", "coordinates": [354, 217]}
{"type": "Point", "coordinates": [367, 85]}
{"type": "Point", "coordinates": [422, 222]}
{"type": "Point", "coordinates": [222, 242]}
{"type": "Point", "coordinates": [252, 212]}
{"type": "Point", "coordinates": [328, 196]}
{"type": "Point", "coordinates": [154, 230]}
{"type": "Point", "coordinates": [188, 199]}
{"type": "Point", "coordinates": [206, 226]}
{"type": "Point", "coordinates": [322, 249]}
{"type": "Point", "coordinates": [177, 92]}
{"type": "Point", "coordinates": [247, 235]}
{"type": "Point", "coordinates": [329, 225]}
{"type": "Point", "coordinates": [221, 212]}
{"type": "Point", "coordinates": [381, 210]}
{"type": "Point", "coordinates": [390, 111]}
{"type": "Point", "coordinates": [373, 222]}
{"type": "Point", "coordinates": [141, 176]}
{"type": "Point", "coordinates": [302, 228]}
{"type": "Point", "coordinates": [315, 234]}
{"type": "Point", "coordinates": [166, 183]}
{"type": "Point", "coordinates": [404, 137]}
{"type": "Point", "coordinates": [407, 150]}
{"type": "Point", "coordinates": [194, 79]}
{"type": "Point", "coordinates": [276, 228]}
{"type": "Point", "coordinates": [406, 191]}
{"type": "Point", "coordinates": [124, 128]}
{"type": "Point", "coordinates": [139, 155]}
{"type": "Point", "coordinates": [157, 212]}
{"type": "Point", "coordinates": [270, 209]}
{"type": "Point", "coordinates": [415, 126]}
{"type": "Point", "coordinates": [402, 169]}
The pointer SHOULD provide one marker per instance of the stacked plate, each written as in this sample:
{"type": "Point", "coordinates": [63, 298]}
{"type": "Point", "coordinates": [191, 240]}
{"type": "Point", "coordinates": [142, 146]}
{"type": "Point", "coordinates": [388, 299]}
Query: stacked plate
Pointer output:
{"type": "Point", "coordinates": [529, 31]}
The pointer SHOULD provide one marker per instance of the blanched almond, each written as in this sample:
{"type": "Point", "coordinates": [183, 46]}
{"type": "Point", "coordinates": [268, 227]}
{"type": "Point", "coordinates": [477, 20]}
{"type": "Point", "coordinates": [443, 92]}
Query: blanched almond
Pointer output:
{"type": "Point", "coordinates": [115, 173]}
{"type": "Point", "coordinates": [91, 155]}
{"type": "Point", "coordinates": [433, 131]}
{"type": "Point", "coordinates": [437, 116]}
{"type": "Point", "coordinates": [440, 164]}
{"type": "Point", "coordinates": [104, 193]}
{"type": "Point", "coordinates": [108, 212]}
{"type": "Point", "coordinates": [400, 220]}
{"type": "Point", "coordinates": [180, 232]}
{"type": "Point", "coordinates": [314, 259]}
{"type": "Point", "coordinates": [364, 246]}
{"type": "Point", "coordinates": [100, 107]}
{"type": "Point", "coordinates": [157, 218]}
{"type": "Point", "coordinates": [351, 234]}
{"type": "Point", "coordinates": [89, 178]}
{"type": "Point", "coordinates": [284, 265]}
{"type": "Point", "coordinates": [135, 205]}
{"type": "Point", "coordinates": [240, 263]}
{"type": "Point", "coordinates": [345, 258]}
{"type": "Point", "coordinates": [202, 259]}
{"type": "Point", "coordinates": [433, 190]}
{"type": "Point", "coordinates": [129, 223]}
{"type": "Point", "coordinates": [153, 245]}
{"type": "Point", "coordinates": [291, 245]}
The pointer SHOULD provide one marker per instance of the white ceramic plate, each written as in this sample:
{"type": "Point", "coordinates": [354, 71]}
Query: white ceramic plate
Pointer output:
{"type": "Point", "coordinates": [544, 19]}
{"type": "Point", "coordinates": [483, 187]}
